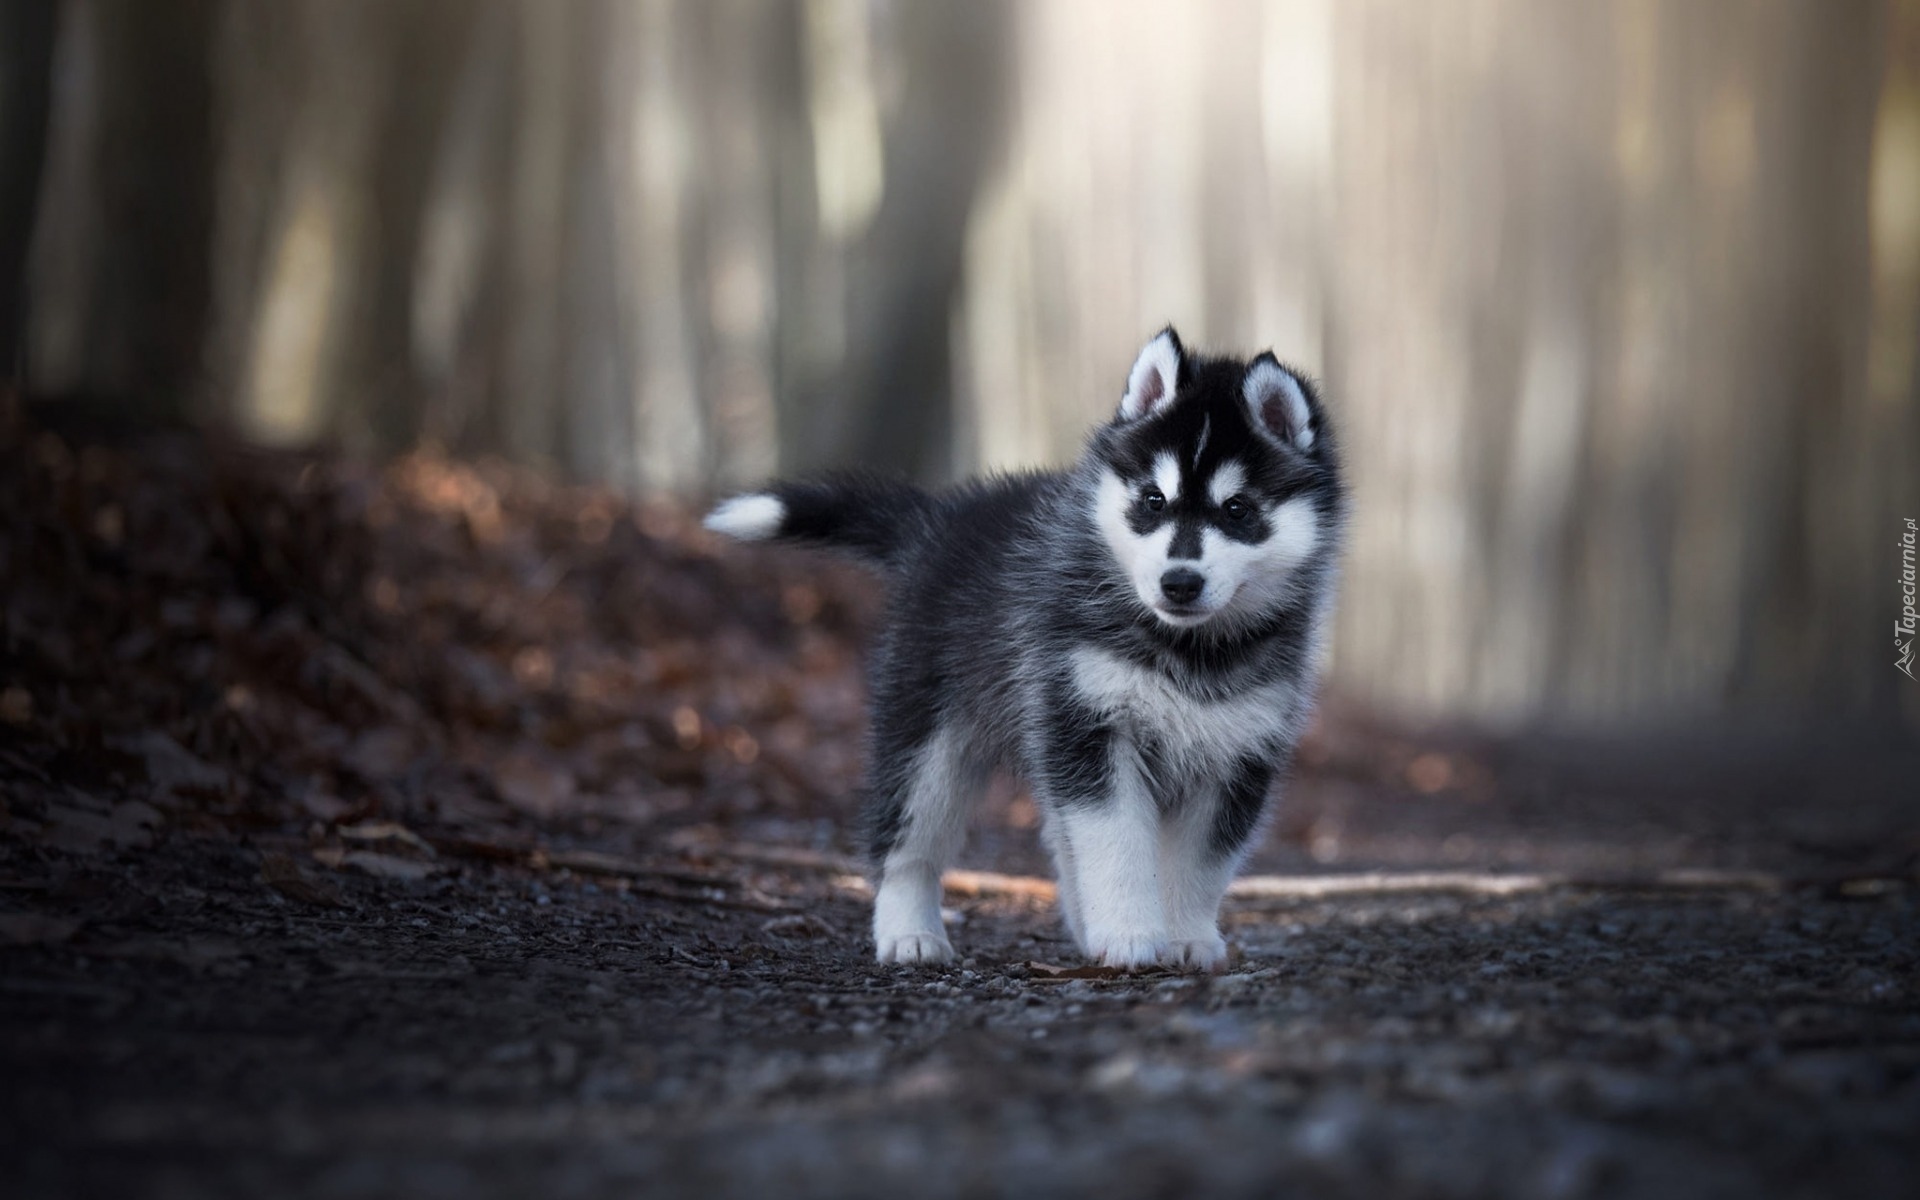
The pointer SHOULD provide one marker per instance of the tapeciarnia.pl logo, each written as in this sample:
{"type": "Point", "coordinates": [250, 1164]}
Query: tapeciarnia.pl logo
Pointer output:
{"type": "Point", "coordinates": [1904, 627]}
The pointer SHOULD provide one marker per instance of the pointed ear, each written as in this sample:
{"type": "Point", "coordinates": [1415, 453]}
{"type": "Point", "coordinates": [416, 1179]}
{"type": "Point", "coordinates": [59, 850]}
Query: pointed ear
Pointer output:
{"type": "Point", "coordinates": [1155, 376]}
{"type": "Point", "coordinates": [1277, 400]}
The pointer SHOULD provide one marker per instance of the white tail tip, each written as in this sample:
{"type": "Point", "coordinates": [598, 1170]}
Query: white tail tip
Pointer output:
{"type": "Point", "coordinates": [751, 518]}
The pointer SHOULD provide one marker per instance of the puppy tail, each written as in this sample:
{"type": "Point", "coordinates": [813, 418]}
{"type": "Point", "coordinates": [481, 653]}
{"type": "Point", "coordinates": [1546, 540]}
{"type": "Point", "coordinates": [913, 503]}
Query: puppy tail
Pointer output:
{"type": "Point", "coordinates": [873, 518]}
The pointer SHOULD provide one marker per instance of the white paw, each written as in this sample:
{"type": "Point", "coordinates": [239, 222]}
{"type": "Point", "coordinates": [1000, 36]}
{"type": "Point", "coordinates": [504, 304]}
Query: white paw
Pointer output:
{"type": "Point", "coordinates": [914, 948]}
{"type": "Point", "coordinates": [1126, 951]}
{"type": "Point", "coordinates": [1207, 952]}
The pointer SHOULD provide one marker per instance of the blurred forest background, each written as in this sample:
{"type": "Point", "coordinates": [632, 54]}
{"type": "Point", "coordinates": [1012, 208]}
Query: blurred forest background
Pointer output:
{"type": "Point", "coordinates": [1618, 303]}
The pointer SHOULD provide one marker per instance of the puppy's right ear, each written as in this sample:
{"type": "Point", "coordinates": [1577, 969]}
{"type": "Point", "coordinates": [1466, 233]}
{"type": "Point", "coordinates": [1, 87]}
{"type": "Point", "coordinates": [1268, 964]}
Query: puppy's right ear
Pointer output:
{"type": "Point", "coordinates": [1155, 376]}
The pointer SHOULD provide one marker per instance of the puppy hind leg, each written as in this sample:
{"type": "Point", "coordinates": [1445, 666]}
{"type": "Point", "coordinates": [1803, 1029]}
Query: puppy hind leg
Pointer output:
{"type": "Point", "coordinates": [935, 793]}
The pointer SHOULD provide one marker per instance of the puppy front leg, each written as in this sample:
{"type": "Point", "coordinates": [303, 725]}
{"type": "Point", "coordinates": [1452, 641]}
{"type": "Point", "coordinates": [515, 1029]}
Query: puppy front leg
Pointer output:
{"type": "Point", "coordinates": [1114, 843]}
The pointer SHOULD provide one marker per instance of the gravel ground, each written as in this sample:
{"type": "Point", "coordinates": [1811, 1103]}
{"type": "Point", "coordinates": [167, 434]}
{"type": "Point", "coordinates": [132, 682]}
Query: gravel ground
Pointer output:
{"type": "Point", "coordinates": [174, 1026]}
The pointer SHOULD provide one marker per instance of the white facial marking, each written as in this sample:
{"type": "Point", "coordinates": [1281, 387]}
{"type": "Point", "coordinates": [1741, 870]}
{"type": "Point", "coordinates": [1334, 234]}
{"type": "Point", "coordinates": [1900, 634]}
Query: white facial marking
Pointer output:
{"type": "Point", "coordinates": [1229, 479]}
{"type": "Point", "coordinates": [1166, 476]}
{"type": "Point", "coordinates": [1255, 578]}
{"type": "Point", "coordinates": [1242, 581]}
{"type": "Point", "coordinates": [1296, 532]}
{"type": "Point", "coordinates": [751, 518]}
{"type": "Point", "coordinates": [1142, 558]}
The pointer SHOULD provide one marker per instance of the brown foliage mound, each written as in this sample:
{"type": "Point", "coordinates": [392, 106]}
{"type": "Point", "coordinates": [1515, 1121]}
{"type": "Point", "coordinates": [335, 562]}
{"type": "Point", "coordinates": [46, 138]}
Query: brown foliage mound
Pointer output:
{"type": "Point", "coordinates": [237, 639]}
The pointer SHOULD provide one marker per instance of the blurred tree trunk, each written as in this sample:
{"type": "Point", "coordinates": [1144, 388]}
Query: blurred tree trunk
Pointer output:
{"type": "Point", "coordinates": [556, 77]}
{"type": "Point", "coordinates": [147, 265]}
{"type": "Point", "coordinates": [802, 262]}
{"type": "Point", "coordinates": [333, 120]}
{"type": "Point", "coordinates": [1605, 284]}
{"type": "Point", "coordinates": [1810, 577]}
{"type": "Point", "coordinates": [1879, 475]}
{"type": "Point", "coordinates": [746, 99]}
{"type": "Point", "coordinates": [26, 65]}
{"type": "Point", "coordinates": [593, 379]}
{"type": "Point", "coordinates": [892, 401]}
{"type": "Point", "coordinates": [422, 45]}
{"type": "Point", "coordinates": [1615, 302]}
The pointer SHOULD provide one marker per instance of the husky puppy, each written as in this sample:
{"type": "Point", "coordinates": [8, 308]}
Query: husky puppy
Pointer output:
{"type": "Point", "coordinates": [1135, 636]}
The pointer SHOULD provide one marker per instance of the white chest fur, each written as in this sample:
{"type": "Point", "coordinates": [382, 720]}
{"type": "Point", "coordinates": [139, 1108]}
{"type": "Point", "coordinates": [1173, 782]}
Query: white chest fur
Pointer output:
{"type": "Point", "coordinates": [1202, 736]}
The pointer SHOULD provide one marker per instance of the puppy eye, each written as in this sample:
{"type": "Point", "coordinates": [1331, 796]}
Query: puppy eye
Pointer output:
{"type": "Point", "coordinates": [1153, 499]}
{"type": "Point", "coordinates": [1236, 509]}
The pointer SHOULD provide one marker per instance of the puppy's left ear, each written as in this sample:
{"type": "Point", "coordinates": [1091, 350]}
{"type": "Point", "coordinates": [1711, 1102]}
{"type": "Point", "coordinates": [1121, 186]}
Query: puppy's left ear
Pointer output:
{"type": "Point", "coordinates": [1155, 376]}
{"type": "Point", "coordinates": [1278, 400]}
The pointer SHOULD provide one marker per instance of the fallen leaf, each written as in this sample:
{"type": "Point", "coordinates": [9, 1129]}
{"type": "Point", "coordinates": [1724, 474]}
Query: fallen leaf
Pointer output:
{"type": "Point", "coordinates": [593, 862]}
{"type": "Point", "coordinates": [1869, 887]}
{"type": "Point", "coordinates": [797, 925]}
{"type": "Point", "coordinates": [324, 805]}
{"type": "Point", "coordinates": [385, 831]}
{"type": "Point", "coordinates": [532, 786]}
{"type": "Point", "coordinates": [285, 876]}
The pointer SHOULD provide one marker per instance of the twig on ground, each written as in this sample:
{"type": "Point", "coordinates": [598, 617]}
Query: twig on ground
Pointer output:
{"type": "Point", "coordinates": [750, 902]}
{"type": "Point", "coordinates": [776, 856]}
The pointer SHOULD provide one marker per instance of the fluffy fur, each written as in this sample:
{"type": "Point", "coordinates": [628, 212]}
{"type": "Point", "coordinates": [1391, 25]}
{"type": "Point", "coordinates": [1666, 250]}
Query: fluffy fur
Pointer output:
{"type": "Point", "coordinates": [1135, 636]}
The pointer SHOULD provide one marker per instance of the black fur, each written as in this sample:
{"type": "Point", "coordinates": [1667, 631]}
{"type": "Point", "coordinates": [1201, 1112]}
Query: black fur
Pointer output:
{"type": "Point", "coordinates": [991, 580]}
{"type": "Point", "coordinates": [872, 516]}
{"type": "Point", "coordinates": [1138, 646]}
{"type": "Point", "coordinates": [1241, 806]}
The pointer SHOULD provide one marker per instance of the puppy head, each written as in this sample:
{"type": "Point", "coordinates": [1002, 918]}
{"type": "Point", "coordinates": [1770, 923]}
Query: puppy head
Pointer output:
{"type": "Point", "coordinates": [1216, 484]}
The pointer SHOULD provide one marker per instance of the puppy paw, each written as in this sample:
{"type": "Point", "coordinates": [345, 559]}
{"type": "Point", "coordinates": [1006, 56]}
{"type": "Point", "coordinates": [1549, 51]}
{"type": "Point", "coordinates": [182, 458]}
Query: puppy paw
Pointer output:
{"type": "Point", "coordinates": [1207, 952]}
{"type": "Point", "coordinates": [1126, 951]}
{"type": "Point", "coordinates": [914, 948]}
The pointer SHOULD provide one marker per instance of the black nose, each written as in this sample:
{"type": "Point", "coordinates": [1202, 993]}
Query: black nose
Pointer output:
{"type": "Point", "coordinates": [1181, 585]}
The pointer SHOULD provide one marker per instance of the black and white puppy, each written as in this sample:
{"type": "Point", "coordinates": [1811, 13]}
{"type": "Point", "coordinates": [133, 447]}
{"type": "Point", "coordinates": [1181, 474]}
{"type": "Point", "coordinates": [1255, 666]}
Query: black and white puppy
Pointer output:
{"type": "Point", "coordinates": [1136, 636]}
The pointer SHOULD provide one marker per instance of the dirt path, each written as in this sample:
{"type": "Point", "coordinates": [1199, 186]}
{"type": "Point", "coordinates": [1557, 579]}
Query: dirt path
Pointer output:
{"type": "Point", "coordinates": [394, 834]}
{"type": "Point", "coordinates": [177, 1026]}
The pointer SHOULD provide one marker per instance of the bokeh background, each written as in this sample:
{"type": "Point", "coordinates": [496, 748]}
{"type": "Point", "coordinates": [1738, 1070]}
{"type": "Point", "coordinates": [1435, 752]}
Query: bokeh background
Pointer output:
{"type": "Point", "coordinates": [1617, 303]}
